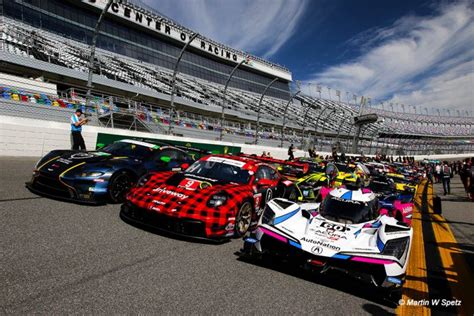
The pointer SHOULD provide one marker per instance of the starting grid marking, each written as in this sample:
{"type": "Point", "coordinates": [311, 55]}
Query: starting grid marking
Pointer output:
{"type": "Point", "coordinates": [438, 277]}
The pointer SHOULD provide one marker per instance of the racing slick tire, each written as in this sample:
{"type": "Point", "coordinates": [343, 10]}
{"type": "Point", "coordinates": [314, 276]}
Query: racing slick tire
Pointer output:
{"type": "Point", "coordinates": [243, 219]}
{"type": "Point", "coordinates": [120, 183]}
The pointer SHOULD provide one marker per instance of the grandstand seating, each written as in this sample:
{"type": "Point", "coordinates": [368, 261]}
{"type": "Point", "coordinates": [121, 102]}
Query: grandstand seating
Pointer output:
{"type": "Point", "coordinates": [324, 116]}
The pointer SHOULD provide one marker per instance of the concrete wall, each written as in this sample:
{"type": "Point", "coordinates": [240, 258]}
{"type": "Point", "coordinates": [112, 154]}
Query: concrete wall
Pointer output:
{"type": "Point", "coordinates": [24, 137]}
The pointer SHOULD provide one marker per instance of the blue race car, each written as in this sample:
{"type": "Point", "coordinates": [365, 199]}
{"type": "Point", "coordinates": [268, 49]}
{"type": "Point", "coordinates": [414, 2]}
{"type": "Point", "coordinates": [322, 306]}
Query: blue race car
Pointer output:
{"type": "Point", "coordinates": [95, 177]}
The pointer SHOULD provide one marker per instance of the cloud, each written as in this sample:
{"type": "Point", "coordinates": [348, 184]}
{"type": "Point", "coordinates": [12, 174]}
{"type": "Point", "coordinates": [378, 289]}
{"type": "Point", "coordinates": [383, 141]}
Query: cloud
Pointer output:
{"type": "Point", "coordinates": [425, 61]}
{"type": "Point", "coordinates": [261, 27]}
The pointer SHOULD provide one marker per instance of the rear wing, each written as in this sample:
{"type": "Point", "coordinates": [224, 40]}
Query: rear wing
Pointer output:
{"type": "Point", "coordinates": [202, 152]}
{"type": "Point", "coordinates": [287, 168]}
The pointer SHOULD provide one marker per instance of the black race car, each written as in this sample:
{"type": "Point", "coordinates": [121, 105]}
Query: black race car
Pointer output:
{"type": "Point", "coordinates": [105, 175]}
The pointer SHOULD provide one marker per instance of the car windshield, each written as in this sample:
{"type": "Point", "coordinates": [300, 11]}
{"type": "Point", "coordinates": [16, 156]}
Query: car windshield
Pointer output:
{"type": "Point", "coordinates": [344, 168]}
{"type": "Point", "coordinates": [380, 186]}
{"type": "Point", "coordinates": [220, 171]}
{"type": "Point", "coordinates": [348, 211]}
{"type": "Point", "coordinates": [314, 168]}
{"type": "Point", "coordinates": [128, 149]}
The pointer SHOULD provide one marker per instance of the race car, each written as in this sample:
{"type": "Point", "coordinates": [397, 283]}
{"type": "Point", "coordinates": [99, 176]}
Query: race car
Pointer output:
{"type": "Point", "coordinates": [106, 175]}
{"type": "Point", "coordinates": [398, 205]}
{"type": "Point", "coordinates": [347, 232]}
{"type": "Point", "coordinates": [355, 173]}
{"type": "Point", "coordinates": [401, 183]}
{"type": "Point", "coordinates": [218, 197]}
{"type": "Point", "coordinates": [382, 185]}
{"type": "Point", "coordinates": [290, 169]}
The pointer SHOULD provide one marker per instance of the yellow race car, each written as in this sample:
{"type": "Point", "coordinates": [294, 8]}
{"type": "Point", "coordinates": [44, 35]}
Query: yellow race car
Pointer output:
{"type": "Point", "coordinates": [401, 183]}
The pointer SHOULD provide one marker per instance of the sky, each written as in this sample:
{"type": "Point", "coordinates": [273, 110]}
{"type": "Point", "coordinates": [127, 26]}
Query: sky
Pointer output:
{"type": "Point", "coordinates": [415, 53]}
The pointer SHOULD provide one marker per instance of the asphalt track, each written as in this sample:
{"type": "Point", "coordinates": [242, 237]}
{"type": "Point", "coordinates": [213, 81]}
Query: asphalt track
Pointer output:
{"type": "Point", "coordinates": [58, 257]}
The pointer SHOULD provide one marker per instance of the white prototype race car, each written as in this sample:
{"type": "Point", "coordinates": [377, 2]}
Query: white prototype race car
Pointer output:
{"type": "Point", "coordinates": [347, 231]}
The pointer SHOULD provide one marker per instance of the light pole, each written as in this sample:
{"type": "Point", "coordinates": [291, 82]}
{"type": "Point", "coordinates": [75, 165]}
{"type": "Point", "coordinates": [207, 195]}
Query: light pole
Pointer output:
{"type": "Point", "coordinates": [92, 55]}
{"type": "Point", "coordinates": [173, 80]}
{"type": "Point", "coordinates": [224, 95]}
{"type": "Point", "coordinates": [259, 106]}
{"type": "Point", "coordinates": [284, 115]}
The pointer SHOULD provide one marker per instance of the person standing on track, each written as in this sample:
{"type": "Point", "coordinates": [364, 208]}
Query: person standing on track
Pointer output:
{"type": "Point", "coordinates": [76, 130]}
{"type": "Point", "coordinates": [291, 155]}
{"type": "Point", "coordinates": [446, 177]}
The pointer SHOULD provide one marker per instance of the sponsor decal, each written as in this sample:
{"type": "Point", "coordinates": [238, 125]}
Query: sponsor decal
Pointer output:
{"type": "Point", "coordinates": [346, 200]}
{"type": "Point", "coordinates": [269, 195]}
{"type": "Point", "coordinates": [230, 227]}
{"type": "Point", "coordinates": [164, 190]}
{"type": "Point", "coordinates": [158, 202]}
{"type": "Point", "coordinates": [407, 209]}
{"type": "Point", "coordinates": [329, 234]}
{"type": "Point", "coordinates": [317, 250]}
{"type": "Point", "coordinates": [81, 156]}
{"type": "Point", "coordinates": [64, 161]}
{"type": "Point", "coordinates": [330, 226]}
{"type": "Point", "coordinates": [231, 162]}
{"type": "Point", "coordinates": [321, 243]}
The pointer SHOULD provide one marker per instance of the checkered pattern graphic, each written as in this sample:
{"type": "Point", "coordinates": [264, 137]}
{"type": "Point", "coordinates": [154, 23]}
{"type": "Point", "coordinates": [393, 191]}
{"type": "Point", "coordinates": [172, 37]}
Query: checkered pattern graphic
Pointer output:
{"type": "Point", "coordinates": [182, 203]}
{"type": "Point", "coordinates": [164, 193]}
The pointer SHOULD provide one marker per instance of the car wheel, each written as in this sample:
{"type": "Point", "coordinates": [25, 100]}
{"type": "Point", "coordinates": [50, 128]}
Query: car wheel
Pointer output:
{"type": "Point", "coordinates": [119, 185]}
{"type": "Point", "coordinates": [243, 219]}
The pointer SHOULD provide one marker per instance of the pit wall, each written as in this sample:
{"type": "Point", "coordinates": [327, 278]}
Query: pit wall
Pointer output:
{"type": "Point", "coordinates": [23, 137]}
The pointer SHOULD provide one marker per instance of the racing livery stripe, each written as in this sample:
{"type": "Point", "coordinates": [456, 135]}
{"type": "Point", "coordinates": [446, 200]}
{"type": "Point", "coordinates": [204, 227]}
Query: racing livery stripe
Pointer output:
{"type": "Point", "coordinates": [44, 164]}
{"type": "Point", "coordinates": [283, 218]}
{"type": "Point", "coordinates": [62, 174]}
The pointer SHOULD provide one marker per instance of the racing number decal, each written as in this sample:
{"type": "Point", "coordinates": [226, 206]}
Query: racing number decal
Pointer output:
{"type": "Point", "coordinates": [330, 226]}
{"type": "Point", "coordinates": [268, 195]}
{"type": "Point", "coordinates": [258, 201]}
{"type": "Point", "coordinates": [189, 184]}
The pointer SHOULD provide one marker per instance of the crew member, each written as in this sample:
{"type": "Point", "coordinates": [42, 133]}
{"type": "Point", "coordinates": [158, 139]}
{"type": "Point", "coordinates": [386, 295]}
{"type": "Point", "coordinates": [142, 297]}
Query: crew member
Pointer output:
{"type": "Point", "coordinates": [76, 130]}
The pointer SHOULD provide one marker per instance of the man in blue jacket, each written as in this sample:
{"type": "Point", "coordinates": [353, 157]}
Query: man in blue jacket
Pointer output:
{"type": "Point", "coordinates": [76, 130]}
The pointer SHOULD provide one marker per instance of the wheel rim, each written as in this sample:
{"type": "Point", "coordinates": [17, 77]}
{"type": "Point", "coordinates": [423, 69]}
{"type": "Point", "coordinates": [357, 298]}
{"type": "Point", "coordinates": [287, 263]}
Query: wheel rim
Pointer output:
{"type": "Point", "coordinates": [243, 218]}
{"type": "Point", "coordinates": [120, 186]}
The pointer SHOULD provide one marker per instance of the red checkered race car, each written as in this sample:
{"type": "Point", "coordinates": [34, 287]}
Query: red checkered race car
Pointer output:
{"type": "Point", "coordinates": [217, 197]}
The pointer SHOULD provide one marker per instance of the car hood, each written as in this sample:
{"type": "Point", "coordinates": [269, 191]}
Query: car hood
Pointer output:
{"type": "Point", "coordinates": [178, 193]}
{"type": "Point", "coordinates": [72, 160]}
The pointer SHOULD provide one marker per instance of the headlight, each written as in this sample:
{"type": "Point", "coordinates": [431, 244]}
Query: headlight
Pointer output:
{"type": "Point", "coordinates": [91, 174]}
{"type": "Point", "coordinates": [217, 200]}
{"type": "Point", "coordinates": [268, 215]}
{"type": "Point", "coordinates": [396, 247]}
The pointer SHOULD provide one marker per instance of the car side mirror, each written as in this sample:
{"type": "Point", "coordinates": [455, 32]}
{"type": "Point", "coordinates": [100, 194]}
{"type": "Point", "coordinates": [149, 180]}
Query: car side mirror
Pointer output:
{"type": "Point", "coordinates": [165, 159]}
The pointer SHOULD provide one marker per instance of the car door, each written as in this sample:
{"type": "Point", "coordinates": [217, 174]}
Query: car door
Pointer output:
{"type": "Point", "coordinates": [268, 188]}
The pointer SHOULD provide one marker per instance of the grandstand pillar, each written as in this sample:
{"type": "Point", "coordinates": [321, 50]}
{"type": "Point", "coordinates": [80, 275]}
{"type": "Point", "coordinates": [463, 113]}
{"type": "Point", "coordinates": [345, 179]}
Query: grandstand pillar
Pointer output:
{"type": "Point", "coordinates": [173, 80]}
{"type": "Point", "coordinates": [284, 115]}
{"type": "Point", "coordinates": [224, 93]}
{"type": "Point", "coordinates": [304, 123]}
{"type": "Point", "coordinates": [329, 115]}
{"type": "Point", "coordinates": [92, 48]}
{"type": "Point", "coordinates": [259, 106]}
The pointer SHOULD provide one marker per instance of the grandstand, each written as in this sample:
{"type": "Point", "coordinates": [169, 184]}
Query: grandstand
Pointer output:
{"type": "Point", "coordinates": [48, 41]}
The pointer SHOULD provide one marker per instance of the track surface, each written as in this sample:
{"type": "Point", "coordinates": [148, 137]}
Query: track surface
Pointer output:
{"type": "Point", "coordinates": [58, 257]}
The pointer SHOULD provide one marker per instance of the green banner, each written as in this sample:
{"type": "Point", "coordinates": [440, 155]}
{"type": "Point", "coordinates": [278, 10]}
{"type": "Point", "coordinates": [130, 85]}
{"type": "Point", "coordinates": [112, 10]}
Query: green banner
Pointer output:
{"type": "Point", "coordinates": [104, 139]}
